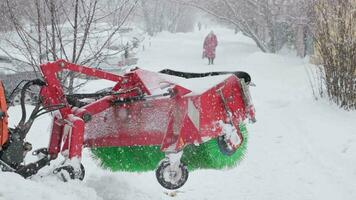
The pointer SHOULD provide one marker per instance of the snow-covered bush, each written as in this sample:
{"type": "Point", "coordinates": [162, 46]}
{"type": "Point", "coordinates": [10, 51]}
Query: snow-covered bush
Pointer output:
{"type": "Point", "coordinates": [335, 39]}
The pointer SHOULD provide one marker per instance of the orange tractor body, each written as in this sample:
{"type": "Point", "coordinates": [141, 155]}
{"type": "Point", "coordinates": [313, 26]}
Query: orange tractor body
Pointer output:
{"type": "Point", "coordinates": [3, 117]}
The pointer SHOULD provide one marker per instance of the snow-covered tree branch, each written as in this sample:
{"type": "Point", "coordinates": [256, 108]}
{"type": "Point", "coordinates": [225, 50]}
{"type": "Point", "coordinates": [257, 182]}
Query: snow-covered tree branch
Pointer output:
{"type": "Point", "coordinates": [79, 31]}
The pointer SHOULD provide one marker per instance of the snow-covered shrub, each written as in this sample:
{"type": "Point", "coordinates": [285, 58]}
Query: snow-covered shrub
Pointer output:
{"type": "Point", "coordinates": [335, 39]}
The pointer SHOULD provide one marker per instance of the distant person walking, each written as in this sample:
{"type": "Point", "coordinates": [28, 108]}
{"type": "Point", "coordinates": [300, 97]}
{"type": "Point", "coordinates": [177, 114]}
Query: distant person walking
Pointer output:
{"type": "Point", "coordinates": [210, 44]}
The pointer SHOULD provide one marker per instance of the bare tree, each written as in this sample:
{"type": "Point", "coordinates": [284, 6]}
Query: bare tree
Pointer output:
{"type": "Point", "coordinates": [270, 23]}
{"type": "Point", "coordinates": [76, 30]}
{"type": "Point", "coordinates": [160, 15]}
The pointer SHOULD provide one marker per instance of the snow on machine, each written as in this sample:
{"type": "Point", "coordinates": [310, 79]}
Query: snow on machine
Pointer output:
{"type": "Point", "coordinates": [170, 110]}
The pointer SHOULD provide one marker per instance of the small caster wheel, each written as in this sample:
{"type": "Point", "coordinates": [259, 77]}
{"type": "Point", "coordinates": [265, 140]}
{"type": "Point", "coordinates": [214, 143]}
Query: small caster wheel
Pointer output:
{"type": "Point", "coordinates": [171, 177]}
{"type": "Point", "coordinates": [226, 147]}
{"type": "Point", "coordinates": [68, 172]}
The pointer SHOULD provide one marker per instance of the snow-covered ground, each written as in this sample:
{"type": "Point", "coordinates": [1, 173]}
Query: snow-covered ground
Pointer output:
{"type": "Point", "coordinates": [298, 149]}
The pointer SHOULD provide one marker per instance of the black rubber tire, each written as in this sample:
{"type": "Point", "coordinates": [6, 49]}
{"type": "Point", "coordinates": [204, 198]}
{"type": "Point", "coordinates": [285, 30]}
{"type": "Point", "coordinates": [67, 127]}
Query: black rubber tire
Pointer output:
{"type": "Point", "coordinates": [171, 185]}
{"type": "Point", "coordinates": [82, 173]}
{"type": "Point", "coordinates": [224, 147]}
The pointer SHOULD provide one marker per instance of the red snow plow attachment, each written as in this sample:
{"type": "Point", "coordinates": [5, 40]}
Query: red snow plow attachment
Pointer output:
{"type": "Point", "coordinates": [145, 108]}
{"type": "Point", "coordinates": [169, 109]}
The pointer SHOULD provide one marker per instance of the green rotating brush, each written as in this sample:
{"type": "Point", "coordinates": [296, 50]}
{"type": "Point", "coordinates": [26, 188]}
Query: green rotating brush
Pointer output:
{"type": "Point", "coordinates": [146, 158]}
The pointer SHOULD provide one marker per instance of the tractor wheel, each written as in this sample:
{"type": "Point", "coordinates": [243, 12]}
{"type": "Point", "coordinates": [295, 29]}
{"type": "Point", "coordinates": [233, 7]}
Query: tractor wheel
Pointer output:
{"type": "Point", "coordinates": [68, 172]}
{"type": "Point", "coordinates": [225, 147]}
{"type": "Point", "coordinates": [171, 177]}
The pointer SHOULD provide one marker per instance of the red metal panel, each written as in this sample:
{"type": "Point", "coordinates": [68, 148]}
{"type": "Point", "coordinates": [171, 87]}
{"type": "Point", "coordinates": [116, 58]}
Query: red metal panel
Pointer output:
{"type": "Point", "coordinates": [212, 107]}
{"type": "Point", "coordinates": [76, 137]}
{"type": "Point", "coordinates": [56, 138]}
{"type": "Point", "coordinates": [135, 121]}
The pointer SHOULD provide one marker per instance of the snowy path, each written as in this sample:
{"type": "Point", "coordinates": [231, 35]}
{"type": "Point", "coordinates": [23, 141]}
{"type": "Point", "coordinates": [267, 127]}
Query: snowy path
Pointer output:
{"type": "Point", "coordinates": [298, 149]}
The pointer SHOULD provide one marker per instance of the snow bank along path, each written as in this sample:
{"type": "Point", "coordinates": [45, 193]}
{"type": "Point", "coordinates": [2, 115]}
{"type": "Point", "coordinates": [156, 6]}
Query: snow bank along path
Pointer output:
{"type": "Point", "coordinates": [298, 149]}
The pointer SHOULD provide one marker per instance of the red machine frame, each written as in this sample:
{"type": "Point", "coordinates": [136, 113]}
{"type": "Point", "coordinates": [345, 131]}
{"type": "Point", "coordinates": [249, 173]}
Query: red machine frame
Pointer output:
{"type": "Point", "coordinates": [169, 109]}
{"type": "Point", "coordinates": [182, 117]}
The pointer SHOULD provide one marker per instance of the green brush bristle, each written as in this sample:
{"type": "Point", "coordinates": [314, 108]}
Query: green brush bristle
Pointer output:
{"type": "Point", "coordinates": [208, 155]}
{"type": "Point", "coordinates": [146, 158]}
{"type": "Point", "coordinates": [132, 159]}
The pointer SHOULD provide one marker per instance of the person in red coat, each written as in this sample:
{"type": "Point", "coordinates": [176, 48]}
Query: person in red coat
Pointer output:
{"type": "Point", "coordinates": [210, 44]}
